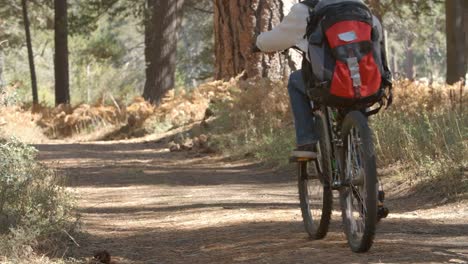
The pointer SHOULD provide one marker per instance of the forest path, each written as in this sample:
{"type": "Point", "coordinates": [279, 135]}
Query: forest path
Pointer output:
{"type": "Point", "coordinates": [146, 205]}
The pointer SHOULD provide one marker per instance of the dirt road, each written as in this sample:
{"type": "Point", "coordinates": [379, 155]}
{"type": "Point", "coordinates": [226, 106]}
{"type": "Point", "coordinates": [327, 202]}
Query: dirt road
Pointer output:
{"type": "Point", "coordinates": [146, 205]}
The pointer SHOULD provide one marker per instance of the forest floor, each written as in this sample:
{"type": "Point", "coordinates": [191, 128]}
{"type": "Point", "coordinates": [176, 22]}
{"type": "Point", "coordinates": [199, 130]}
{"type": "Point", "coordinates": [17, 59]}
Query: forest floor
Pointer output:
{"type": "Point", "coordinates": [145, 204]}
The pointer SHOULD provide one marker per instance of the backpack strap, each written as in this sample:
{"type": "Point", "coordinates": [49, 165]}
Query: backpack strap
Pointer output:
{"type": "Point", "coordinates": [313, 19]}
{"type": "Point", "coordinates": [310, 3]}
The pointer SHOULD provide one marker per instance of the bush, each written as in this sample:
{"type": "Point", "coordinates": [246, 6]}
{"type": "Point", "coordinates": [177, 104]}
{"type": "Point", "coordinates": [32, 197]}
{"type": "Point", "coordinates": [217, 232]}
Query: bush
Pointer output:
{"type": "Point", "coordinates": [256, 121]}
{"type": "Point", "coordinates": [35, 208]}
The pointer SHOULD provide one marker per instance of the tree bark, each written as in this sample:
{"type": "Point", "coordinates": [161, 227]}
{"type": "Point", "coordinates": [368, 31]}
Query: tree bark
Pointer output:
{"type": "Point", "coordinates": [2, 82]}
{"type": "Point", "coordinates": [160, 47]}
{"type": "Point", "coordinates": [62, 89]}
{"type": "Point", "coordinates": [409, 59]}
{"type": "Point", "coordinates": [32, 68]}
{"type": "Point", "coordinates": [456, 38]}
{"type": "Point", "coordinates": [237, 23]}
{"type": "Point", "coordinates": [465, 32]}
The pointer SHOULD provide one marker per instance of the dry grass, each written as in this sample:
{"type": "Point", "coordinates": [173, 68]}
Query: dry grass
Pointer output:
{"type": "Point", "coordinates": [181, 107]}
{"type": "Point", "coordinates": [256, 121]}
{"type": "Point", "coordinates": [426, 130]}
{"type": "Point", "coordinates": [21, 124]}
{"type": "Point", "coordinates": [178, 108]}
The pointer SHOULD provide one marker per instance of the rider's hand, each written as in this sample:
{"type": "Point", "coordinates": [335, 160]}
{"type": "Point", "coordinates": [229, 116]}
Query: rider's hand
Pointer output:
{"type": "Point", "coordinates": [255, 49]}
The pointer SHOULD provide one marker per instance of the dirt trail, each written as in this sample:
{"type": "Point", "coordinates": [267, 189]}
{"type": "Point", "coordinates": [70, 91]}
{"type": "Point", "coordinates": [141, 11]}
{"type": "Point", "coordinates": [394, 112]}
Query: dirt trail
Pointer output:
{"type": "Point", "coordinates": [147, 205]}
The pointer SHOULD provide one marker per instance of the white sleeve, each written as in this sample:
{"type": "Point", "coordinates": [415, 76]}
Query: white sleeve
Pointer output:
{"type": "Point", "coordinates": [286, 34]}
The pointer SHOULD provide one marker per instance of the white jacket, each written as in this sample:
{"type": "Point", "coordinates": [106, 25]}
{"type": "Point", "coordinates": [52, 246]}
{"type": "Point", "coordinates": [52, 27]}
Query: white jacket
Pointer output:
{"type": "Point", "coordinates": [290, 32]}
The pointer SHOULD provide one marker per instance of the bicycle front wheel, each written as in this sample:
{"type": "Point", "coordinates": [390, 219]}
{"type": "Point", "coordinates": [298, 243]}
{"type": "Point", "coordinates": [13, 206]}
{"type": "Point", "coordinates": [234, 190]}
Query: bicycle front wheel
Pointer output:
{"type": "Point", "coordinates": [359, 194]}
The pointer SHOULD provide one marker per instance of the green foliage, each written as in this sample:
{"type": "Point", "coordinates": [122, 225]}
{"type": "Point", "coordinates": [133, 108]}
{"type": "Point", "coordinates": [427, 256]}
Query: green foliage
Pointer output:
{"type": "Point", "coordinates": [428, 43]}
{"type": "Point", "coordinates": [195, 49]}
{"type": "Point", "coordinates": [8, 97]}
{"type": "Point", "coordinates": [399, 7]}
{"type": "Point", "coordinates": [104, 44]}
{"type": "Point", "coordinates": [34, 207]}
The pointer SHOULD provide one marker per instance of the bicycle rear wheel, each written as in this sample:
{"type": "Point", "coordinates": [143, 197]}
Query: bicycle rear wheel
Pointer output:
{"type": "Point", "coordinates": [359, 196]}
{"type": "Point", "coordinates": [315, 193]}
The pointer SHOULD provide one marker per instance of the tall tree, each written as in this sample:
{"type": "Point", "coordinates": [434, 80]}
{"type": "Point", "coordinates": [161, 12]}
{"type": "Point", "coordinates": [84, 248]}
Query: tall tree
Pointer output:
{"type": "Point", "coordinates": [456, 46]}
{"type": "Point", "coordinates": [2, 82]}
{"type": "Point", "coordinates": [237, 23]}
{"type": "Point", "coordinates": [62, 89]}
{"type": "Point", "coordinates": [32, 68]}
{"type": "Point", "coordinates": [161, 23]}
{"type": "Point", "coordinates": [465, 31]}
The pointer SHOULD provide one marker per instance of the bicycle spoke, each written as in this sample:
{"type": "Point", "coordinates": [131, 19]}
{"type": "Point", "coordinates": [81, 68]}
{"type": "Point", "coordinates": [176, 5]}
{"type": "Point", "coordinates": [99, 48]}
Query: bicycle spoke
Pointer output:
{"type": "Point", "coordinates": [355, 173]}
{"type": "Point", "coordinates": [359, 205]}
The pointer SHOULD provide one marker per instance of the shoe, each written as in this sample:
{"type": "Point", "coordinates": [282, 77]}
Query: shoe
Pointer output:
{"type": "Point", "coordinates": [382, 210]}
{"type": "Point", "coordinates": [308, 151]}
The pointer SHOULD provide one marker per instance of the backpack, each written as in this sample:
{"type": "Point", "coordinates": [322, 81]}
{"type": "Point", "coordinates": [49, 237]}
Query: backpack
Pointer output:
{"type": "Point", "coordinates": [347, 66]}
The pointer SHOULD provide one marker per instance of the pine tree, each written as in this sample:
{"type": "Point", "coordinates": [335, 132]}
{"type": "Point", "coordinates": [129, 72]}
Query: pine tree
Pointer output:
{"type": "Point", "coordinates": [456, 37]}
{"type": "Point", "coordinates": [32, 67]}
{"type": "Point", "coordinates": [62, 90]}
{"type": "Point", "coordinates": [237, 23]}
{"type": "Point", "coordinates": [161, 23]}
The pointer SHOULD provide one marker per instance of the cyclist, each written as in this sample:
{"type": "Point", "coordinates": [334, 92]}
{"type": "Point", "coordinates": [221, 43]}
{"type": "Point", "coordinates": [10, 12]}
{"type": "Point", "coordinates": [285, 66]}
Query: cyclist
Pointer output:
{"type": "Point", "coordinates": [291, 32]}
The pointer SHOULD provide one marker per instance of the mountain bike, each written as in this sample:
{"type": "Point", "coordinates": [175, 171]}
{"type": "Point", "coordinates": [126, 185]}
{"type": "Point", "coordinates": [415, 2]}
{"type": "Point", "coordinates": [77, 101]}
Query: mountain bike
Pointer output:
{"type": "Point", "coordinates": [346, 163]}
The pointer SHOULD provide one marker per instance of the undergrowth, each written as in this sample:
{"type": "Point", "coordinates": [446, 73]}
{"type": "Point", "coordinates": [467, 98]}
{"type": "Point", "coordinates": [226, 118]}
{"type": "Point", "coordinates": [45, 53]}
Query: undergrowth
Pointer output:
{"type": "Point", "coordinates": [35, 208]}
{"type": "Point", "coordinates": [256, 121]}
{"type": "Point", "coordinates": [427, 131]}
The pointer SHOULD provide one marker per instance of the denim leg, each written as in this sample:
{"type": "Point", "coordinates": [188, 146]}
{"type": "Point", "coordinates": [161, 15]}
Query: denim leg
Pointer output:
{"type": "Point", "coordinates": [303, 117]}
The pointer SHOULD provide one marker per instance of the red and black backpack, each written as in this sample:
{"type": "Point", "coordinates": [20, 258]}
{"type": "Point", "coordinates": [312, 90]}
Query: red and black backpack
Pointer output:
{"type": "Point", "coordinates": [345, 64]}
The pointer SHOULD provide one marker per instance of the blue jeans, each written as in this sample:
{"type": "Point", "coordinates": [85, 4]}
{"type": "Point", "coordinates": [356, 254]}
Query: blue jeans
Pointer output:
{"type": "Point", "coordinates": [304, 119]}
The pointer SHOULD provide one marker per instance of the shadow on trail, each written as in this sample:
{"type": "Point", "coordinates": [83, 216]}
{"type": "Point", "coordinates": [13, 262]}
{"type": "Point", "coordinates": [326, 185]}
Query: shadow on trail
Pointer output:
{"type": "Point", "coordinates": [162, 175]}
{"type": "Point", "coordinates": [279, 242]}
{"type": "Point", "coordinates": [225, 206]}
{"type": "Point", "coordinates": [137, 164]}
{"type": "Point", "coordinates": [100, 152]}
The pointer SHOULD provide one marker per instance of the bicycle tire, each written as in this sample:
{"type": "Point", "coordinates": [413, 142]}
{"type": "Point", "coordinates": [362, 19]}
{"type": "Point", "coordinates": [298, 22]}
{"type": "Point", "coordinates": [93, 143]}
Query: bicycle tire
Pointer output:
{"type": "Point", "coordinates": [315, 193]}
{"type": "Point", "coordinates": [360, 172]}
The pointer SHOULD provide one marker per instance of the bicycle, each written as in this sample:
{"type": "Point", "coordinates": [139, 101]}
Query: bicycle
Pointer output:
{"type": "Point", "coordinates": [343, 134]}
{"type": "Point", "coordinates": [346, 163]}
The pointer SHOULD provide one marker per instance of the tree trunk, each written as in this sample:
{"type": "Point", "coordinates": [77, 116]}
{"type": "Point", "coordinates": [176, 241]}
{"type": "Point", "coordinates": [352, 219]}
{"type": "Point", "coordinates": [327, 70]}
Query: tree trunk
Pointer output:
{"type": "Point", "coordinates": [32, 68]}
{"type": "Point", "coordinates": [409, 59]}
{"type": "Point", "coordinates": [237, 23]}
{"type": "Point", "coordinates": [2, 82]}
{"type": "Point", "coordinates": [394, 64]}
{"type": "Point", "coordinates": [62, 90]}
{"type": "Point", "coordinates": [465, 31]}
{"type": "Point", "coordinates": [160, 47]}
{"type": "Point", "coordinates": [456, 46]}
